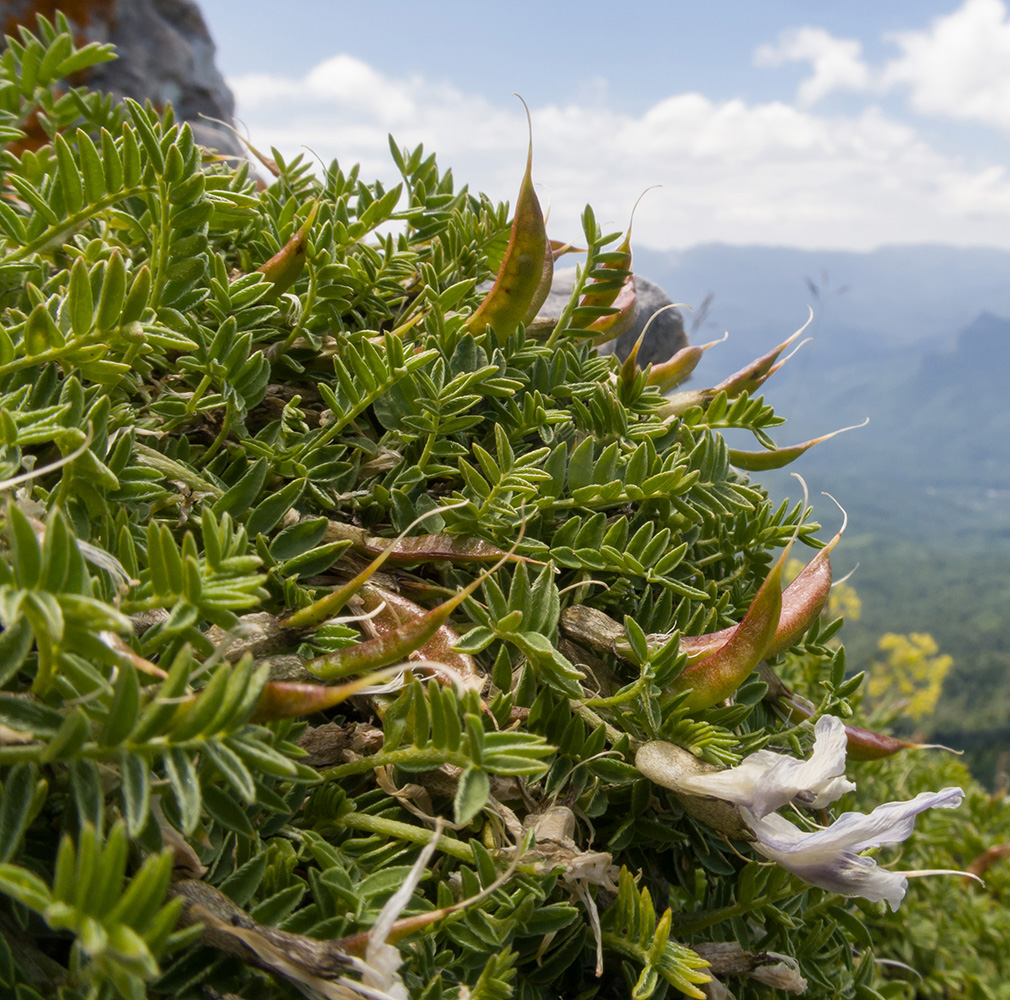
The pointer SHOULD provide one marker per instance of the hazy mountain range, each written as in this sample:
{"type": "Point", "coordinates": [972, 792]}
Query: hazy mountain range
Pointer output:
{"type": "Point", "coordinates": [916, 338]}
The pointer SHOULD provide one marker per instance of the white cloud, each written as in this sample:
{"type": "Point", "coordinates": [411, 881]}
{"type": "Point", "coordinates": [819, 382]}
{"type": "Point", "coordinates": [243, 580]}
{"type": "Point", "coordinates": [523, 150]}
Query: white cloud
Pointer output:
{"type": "Point", "coordinates": [837, 62]}
{"type": "Point", "coordinates": [960, 65]}
{"type": "Point", "coordinates": [957, 67]}
{"type": "Point", "coordinates": [731, 170]}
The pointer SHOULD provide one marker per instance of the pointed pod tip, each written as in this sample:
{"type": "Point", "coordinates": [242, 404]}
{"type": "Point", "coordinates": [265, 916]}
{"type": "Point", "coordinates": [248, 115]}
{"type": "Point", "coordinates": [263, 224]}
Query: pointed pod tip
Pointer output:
{"type": "Point", "coordinates": [799, 523]}
{"type": "Point", "coordinates": [845, 520]}
{"type": "Point", "coordinates": [631, 221]}
{"type": "Point", "coordinates": [529, 123]}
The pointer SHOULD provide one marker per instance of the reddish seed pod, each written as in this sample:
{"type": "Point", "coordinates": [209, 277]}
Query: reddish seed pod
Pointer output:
{"type": "Point", "coordinates": [397, 610]}
{"type": "Point", "coordinates": [543, 289]}
{"type": "Point", "coordinates": [747, 379]}
{"type": "Point", "coordinates": [608, 294]}
{"type": "Point", "coordinates": [326, 607]}
{"type": "Point", "coordinates": [754, 375]}
{"type": "Point", "coordinates": [863, 744]}
{"type": "Point", "coordinates": [400, 642]}
{"type": "Point", "coordinates": [419, 548]}
{"type": "Point", "coordinates": [605, 292]}
{"type": "Point", "coordinates": [716, 677]}
{"type": "Point", "coordinates": [290, 700]}
{"type": "Point", "coordinates": [670, 373]}
{"type": "Point", "coordinates": [608, 328]}
{"type": "Point", "coordinates": [802, 601]}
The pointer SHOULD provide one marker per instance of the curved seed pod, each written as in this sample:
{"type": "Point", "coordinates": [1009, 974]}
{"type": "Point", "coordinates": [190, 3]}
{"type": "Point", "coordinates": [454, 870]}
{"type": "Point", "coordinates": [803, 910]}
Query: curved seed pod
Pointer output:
{"type": "Point", "coordinates": [317, 612]}
{"type": "Point", "coordinates": [522, 267]}
{"type": "Point", "coordinates": [984, 861]}
{"type": "Point", "coordinates": [778, 458]}
{"type": "Point", "coordinates": [608, 328]}
{"type": "Point", "coordinates": [670, 373]}
{"type": "Point", "coordinates": [544, 287]}
{"type": "Point", "coordinates": [802, 602]}
{"type": "Point", "coordinates": [271, 165]}
{"type": "Point", "coordinates": [804, 599]}
{"type": "Point", "coordinates": [667, 764]}
{"type": "Point", "coordinates": [559, 249]}
{"type": "Point", "coordinates": [680, 402]}
{"type": "Point", "coordinates": [629, 369]}
{"type": "Point", "coordinates": [397, 644]}
{"type": "Point", "coordinates": [754, 375]}
{"type": "Point", "coordinates": [419, 548]}
{"type": "Point", "coordinates": [605, 291]}
{"type": "Point", "coordinates": [286, 265]}
{"type": "Point", "coordinates": [716, 677]}
{"type": "Point", "coordinates": [289, 700]}
{"type": "Point", "coordinates": [396, 610]}
{"type": "Point", "coordinates": [862, 744]}
{"type": "Point", "coordinates": [747, 379]}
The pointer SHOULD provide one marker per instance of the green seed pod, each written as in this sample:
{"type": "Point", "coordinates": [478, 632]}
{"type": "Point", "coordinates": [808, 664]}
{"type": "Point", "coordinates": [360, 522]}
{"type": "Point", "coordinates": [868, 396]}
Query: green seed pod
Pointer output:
{"type": "Point", "coordinates": [520, 276]}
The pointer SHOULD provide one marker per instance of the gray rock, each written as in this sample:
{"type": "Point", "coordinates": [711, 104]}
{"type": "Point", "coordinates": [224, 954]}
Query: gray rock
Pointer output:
{"type": "Point", "coordinates": [665, 336]}
{"type": "Point", "coordinates": [165, 54]}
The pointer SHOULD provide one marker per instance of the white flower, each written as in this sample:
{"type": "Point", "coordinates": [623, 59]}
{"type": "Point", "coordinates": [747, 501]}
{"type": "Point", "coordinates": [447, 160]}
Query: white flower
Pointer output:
{"type": "Point", "coordinates": [830, 859]}
{"type": "Point", "coordinates": [767, 780]}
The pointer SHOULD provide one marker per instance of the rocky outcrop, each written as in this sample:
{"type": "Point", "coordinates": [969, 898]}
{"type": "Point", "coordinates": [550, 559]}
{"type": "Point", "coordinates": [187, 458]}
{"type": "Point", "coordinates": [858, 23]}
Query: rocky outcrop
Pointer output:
{"type": "Point", "coordinates": [165, 54]}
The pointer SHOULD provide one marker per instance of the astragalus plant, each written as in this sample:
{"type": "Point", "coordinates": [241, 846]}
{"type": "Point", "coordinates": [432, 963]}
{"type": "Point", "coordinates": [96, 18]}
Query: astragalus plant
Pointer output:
{"type": "Point", "coordinates": [240, 757]}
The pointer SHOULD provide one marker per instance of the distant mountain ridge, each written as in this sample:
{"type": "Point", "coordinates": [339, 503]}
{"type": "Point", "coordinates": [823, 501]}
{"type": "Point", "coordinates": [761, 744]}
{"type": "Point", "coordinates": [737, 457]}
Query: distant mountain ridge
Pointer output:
{"type": "Point", "coordinates": [912, 337]}
{"type": "Point", "coordinates": [903, 294]}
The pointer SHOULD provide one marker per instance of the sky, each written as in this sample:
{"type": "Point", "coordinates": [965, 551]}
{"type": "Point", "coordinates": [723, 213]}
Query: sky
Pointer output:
{"type": "Point", "coordinates": [843, 125]}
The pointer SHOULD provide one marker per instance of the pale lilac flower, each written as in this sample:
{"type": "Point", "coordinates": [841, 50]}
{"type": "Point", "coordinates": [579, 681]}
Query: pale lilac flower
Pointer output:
{"type": "Point", "coordinates": [767, 780]}
{"type": "Point", "coordinates": [830, 859]}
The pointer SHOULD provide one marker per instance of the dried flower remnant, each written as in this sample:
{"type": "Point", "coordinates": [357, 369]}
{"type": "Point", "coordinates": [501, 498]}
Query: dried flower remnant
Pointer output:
{"type": "Point", "coordinates": [380, 968]}
{"type": "Point", "coordinates": [727, 958]}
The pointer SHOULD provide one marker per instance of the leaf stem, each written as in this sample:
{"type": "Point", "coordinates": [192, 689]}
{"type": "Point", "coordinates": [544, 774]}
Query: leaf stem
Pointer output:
{"type": "Point", "coordinates": [724, 913]}
{"type": "Point", "coordinates": [405, 831]}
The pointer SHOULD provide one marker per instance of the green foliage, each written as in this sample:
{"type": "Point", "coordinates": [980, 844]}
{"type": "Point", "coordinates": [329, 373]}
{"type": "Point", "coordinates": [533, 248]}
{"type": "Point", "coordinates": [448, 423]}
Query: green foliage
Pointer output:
{"type": "Point", "coordinates": [951, 943]}
{"type": "Point", "coordinates": [203, 444]}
